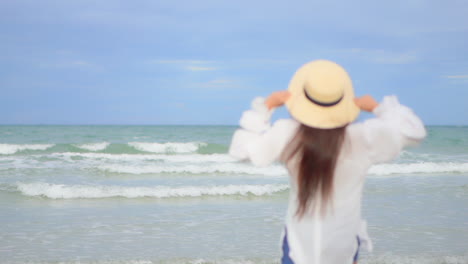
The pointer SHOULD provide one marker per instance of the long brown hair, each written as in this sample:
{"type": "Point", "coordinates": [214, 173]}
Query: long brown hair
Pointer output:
{"type": "Point", "coordinates": [317, 151]}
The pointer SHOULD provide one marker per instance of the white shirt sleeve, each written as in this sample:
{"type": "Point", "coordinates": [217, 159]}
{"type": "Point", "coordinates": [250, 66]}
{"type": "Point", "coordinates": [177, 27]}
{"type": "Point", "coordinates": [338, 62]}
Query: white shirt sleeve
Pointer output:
{"type": "Point", "coordinates": [257, 140]}
{"type": "Point", "coordinates": [394, 128]}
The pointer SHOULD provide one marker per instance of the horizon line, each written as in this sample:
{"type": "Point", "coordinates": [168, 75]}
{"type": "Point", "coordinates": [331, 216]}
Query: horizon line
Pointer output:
{"type": "Point", "coordinates": [123, 124]}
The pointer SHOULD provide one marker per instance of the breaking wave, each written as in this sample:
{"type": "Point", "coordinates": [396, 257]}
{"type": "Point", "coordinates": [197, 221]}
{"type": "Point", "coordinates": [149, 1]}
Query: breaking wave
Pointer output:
{"type": "Point", "coordinates": [60, 191]}
{"type": "Point", "coordinates": [193, 158]}
{"type": "Point", "coordinates": [94, 146]}
{"type": "Point", "coordinates": [169, 147]}
{"type": "Point", "coordinates": [234, 168]}
{"type": "Point", "coordinates": [6, 149]}
{"type": "Point", "coordinates": [419, 168]}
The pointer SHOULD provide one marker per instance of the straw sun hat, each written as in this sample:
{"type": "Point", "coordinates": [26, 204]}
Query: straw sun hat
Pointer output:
{"type": "Point", "coordinates": [322, 95]}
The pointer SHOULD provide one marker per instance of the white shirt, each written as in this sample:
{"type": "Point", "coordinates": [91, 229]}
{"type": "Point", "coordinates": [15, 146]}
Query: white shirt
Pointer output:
{"type": "Point", "coordinates": [329, 239]}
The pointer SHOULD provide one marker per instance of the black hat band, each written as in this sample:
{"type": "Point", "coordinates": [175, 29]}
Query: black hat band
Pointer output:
{"type": "Point", "coordinates": [322, 103]}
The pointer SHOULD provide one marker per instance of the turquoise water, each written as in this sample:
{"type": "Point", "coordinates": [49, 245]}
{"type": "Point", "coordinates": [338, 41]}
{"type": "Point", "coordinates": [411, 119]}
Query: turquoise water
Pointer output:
{"type": "Point", "coordinates": [171, 194]}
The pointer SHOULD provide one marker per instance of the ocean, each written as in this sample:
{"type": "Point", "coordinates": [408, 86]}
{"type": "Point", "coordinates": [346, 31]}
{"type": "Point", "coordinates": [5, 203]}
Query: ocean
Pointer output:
{"type": "Point", "coordinates": [171, 194]}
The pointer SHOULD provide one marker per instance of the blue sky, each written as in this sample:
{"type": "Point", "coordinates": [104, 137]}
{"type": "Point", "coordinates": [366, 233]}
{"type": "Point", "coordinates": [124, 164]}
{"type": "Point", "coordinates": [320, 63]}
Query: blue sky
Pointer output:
{"type": "Point", "coordinates": [201, 62]}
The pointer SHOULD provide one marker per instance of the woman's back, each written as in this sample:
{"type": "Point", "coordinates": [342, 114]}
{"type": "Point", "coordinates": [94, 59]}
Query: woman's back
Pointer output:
{"type": "Point", "coordinates": [375, 140]}
{"type": "Point", "coordinates": [323, 222]}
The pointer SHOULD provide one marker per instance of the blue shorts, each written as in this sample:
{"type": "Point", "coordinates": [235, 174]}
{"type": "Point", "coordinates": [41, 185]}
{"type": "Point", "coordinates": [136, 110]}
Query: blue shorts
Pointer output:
{"type": "Point", "coordinates": [287, 260]}
{"type": "Point", "coordinates": [356, 256]}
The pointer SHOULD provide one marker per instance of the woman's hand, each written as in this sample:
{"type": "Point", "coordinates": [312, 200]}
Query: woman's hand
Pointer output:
{"type": "Point", "coordinates": [366, 103]}
{"type": "Point", "coordinates": [277, 99]}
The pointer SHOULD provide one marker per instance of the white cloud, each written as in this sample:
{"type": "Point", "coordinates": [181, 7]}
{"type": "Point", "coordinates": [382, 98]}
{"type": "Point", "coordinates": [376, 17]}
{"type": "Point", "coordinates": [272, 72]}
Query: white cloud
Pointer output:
{"type": "Point", "coordinates": [380, 56]}
{"type": "Point", "coordinates": [190, 65]}
{"type": "Point", "coordinates": [199, 68]}
{"type": "Point", "coordinates": [80, 63]}
{"type": "Point", "coordinates": [72, 64]}
{"type": "Point", "coordinates": [221, 81]}
{"type": "Point", "coordinates": [457, 76]}
{"type": "Point", "coordinates": [391, 58]}
{"type": "Point", "coordinates": [64, 52]}
{"type": "Point", "coordinates": [219, 84]}
{"type": "Point", "coordinates": [190, 62]}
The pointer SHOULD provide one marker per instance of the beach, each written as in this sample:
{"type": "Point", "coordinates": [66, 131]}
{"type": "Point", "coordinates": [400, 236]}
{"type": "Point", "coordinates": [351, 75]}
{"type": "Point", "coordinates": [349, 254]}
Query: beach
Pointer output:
{"type": "Point", "coordinates": [172, 194]}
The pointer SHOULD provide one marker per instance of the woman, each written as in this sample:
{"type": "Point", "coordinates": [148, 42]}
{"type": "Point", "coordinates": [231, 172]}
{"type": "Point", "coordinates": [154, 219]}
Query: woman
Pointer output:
{"type": "Point", "coordinates": [326, 156]}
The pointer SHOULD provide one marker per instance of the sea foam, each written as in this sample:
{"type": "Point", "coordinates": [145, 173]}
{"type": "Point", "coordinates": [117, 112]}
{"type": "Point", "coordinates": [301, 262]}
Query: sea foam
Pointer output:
{"type": "Point", "coordinates": [13, 148]}
{"type": "Point", "coordinates": [60, 191]}
{"type": "Point", "coordinates": [189, 158]}
{"type": "Point", "coordinates": [94, 146]}
{"type": "Point", "coordinates": [169, 147]}
{"type": "Point", "coordinates": [419, 168]}
{"type": "Point", "coordinates": [231, 168]}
